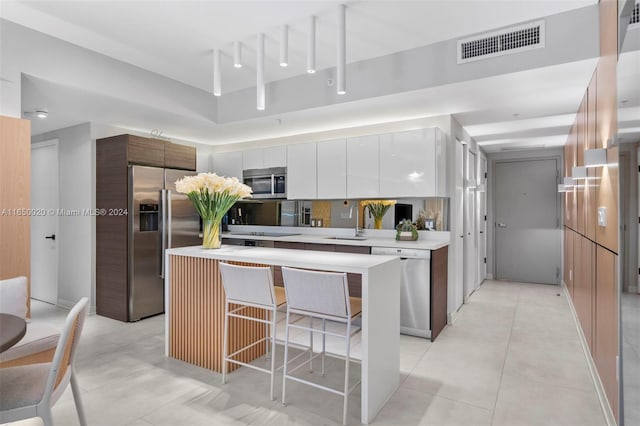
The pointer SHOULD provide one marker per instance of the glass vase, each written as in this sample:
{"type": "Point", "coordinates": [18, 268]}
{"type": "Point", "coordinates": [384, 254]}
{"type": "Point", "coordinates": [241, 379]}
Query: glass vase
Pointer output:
{"type": "Point", "coordinates": [377, 223]}
{"type": "Point", "coordinates": [211, 233]}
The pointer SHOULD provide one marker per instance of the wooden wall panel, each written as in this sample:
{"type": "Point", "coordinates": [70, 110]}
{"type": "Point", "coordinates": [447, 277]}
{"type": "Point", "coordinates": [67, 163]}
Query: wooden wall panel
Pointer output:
{"type": "Point", "coordinates": [605, 347]}
{"type": "Point", "coordinates": [584, 254]}
{"type": "Point", "coordinates": [581, 136]}
{"type": "Point", "coordinates": [568, 260]}
{"type": "Point", "coordinates": [15, 195]}
{"type": "Point", "coordinates": [196, 323]}
{"type": "Point", "coordinates": [591, 202]}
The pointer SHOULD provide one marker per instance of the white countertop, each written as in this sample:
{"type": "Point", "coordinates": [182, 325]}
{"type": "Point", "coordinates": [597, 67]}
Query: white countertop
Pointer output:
{"type": "Point", "coordinates": [374, 241]}
{"type": "Point", "coordinates": [340, 262]}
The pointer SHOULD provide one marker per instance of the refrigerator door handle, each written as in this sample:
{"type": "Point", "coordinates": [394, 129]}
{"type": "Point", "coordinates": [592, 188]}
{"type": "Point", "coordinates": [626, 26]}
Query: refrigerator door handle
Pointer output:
{"type": "Point", "coordinates": [167, 228]}
{"type": "Point", "coordinates": [162, 233]}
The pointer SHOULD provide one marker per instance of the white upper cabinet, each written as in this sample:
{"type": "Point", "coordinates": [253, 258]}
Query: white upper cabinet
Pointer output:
{"type": "Point", "coordinates": [413, 164]}
{"type": "Point", "coordinates": [275, 156]}
{"type": "Point", "coordinates": [363, 167]}
{"type": "Point", "coordinates": [332, 169]}
{"type": "Point", "coordinates": [301, 171]}
{"type": "Point", "coordinates": [228, 164]}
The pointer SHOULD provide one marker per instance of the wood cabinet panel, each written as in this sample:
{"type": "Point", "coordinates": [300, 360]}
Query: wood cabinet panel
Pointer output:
{"type": "Point", "coordinates": [438, 284]}
{"type": "Point", "coordinates": [580, 135]}
{"type": "Point", "coordinates": [111, 231]}
{"type": "Point", "coordinates": [568, 260]}
{"type": "Point", "coordinates": [15, 193]}
{"type": "Point", "coordinates": [591, 203]}
{"type": "Point", "coordinates": [178, 156]}
{"type": "Point", "coordinates": [569, 195]}
{"type": "Point", "coordinates": [605, 349]}
{"type": "Point", "coordinates": [144, 151]}
{"type": "Point", "coordinates": [584, 284]}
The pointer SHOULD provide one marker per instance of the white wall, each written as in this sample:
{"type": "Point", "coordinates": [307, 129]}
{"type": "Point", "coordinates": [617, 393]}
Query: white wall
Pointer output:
{"type": "Point", "coordinates": [76, 248]}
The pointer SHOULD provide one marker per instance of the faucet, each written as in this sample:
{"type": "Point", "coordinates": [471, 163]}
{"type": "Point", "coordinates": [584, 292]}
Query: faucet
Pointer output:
{"type": "Point", "coordinates": [357, 231]}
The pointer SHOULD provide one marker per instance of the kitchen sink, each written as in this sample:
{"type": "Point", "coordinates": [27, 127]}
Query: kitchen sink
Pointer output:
{"type": "Point", "coordinates": [346, 238]}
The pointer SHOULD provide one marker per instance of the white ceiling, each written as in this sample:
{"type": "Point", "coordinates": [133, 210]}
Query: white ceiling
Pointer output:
{"type": "Point", "coordinates": [175, 39]}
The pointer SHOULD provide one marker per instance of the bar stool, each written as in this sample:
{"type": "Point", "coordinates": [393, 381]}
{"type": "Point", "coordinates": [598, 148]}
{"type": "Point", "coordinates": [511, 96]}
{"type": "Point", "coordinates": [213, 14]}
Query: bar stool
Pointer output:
{"type": "Point", "coordinates": [323, 295]}
{"type": "Point", "coordinates": [250, 286]}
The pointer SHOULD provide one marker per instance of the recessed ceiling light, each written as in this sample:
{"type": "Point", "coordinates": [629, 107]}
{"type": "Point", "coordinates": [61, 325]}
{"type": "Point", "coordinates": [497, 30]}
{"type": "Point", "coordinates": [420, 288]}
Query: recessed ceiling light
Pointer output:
{"type": "Point", "coordinates": [41, 113]}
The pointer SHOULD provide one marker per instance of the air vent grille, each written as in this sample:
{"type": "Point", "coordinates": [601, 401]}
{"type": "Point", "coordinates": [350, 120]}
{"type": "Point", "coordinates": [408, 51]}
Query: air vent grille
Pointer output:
{"type": "Point", "coordinates": [635, 15]}
{"type": "Point", "coordinates": [498, 43]}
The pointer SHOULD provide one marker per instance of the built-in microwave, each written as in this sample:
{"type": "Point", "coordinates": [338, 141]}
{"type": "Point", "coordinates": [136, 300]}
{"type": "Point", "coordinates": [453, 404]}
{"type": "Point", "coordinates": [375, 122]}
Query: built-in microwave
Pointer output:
{"type": "Point", "coordinates": [267, 183]}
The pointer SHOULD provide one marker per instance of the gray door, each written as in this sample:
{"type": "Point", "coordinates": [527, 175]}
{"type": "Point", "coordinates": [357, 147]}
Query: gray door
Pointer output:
{"type": "Point", "coordinates": [527, 232]}
{"type": "Point", "coordinates": [146, 286]}
{"type": "Point", "coordinates": [183, 221]}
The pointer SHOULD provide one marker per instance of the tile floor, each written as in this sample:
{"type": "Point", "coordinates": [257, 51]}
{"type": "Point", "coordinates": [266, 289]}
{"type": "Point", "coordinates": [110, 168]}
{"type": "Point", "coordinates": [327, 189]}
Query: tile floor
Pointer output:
{"type": "Point", "coordinates": [512, 358]}
{"type": "Point", "coordinates": [631, 357]}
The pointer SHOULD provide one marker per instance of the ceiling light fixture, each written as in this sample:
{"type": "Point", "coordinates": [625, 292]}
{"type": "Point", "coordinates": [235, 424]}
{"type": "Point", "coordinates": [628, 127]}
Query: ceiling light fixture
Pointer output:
{"type": "Point", "coordinates": [237, 54]}
{"type": "Point", "coordinates": [284, 45]}
{"type": "Point", "coordinates": [41, 113]}
{"type": "Point", "coordinates": [341, 74]}
{"type": "Point", "coordinates": [579, 172]}
{"type": "Point", "coordinates": [217, 86]}
{"type": "Point", "coordinates": [595, 157]}
{"type": "Point", "coordinates": [562, 187]}
{"type": "Point", "coordinates": [311, 46]}
{"type": "Point", "coordinates": [568, 181]}
{"type": "Point", "coordinates": [260, 89]}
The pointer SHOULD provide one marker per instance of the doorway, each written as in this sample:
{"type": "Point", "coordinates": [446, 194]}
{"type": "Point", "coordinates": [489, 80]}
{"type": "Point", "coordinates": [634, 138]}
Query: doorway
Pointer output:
{"type": "Point", "coordinates": [44, 221]}
{"type": "Point", "coordinates": [527, 224]}
{"type": "Point", "coordinates": [470, 230]}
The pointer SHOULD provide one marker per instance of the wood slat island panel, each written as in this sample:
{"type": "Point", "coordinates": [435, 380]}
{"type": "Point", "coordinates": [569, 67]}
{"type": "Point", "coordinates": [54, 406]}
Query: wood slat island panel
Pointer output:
{"type": "Point", "coordinates": [197, 316]}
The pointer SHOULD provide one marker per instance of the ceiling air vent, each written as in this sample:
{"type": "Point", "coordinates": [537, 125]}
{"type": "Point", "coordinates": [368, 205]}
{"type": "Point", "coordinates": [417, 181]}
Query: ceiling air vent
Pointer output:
{"type": "Point", "coordinates": [503, 42]}
{"type": "Point", "coordinates": [635, 15]}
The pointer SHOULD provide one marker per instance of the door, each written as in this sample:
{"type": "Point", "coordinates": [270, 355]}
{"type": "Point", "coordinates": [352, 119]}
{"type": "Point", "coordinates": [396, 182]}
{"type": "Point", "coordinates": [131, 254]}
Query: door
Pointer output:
{"type": "Point", "coordinates": [458, 230]}
{"type": "Point", "coordinates": [146, 286]}
{"type": "Point", "coordinates": [470, 240]}
{"type": "Point", "coordinates": [183, 221]}
{"type": "Point", "coordinates": [481, 197]}
{"type": "Point", "coordinates": [527, 237]}
{"type": "Point", "coordinates": [44, 221]}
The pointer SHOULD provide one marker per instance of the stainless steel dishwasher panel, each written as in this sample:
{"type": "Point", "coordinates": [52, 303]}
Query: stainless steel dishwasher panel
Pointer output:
{"type": "Point", "coordinates": [415, 294]}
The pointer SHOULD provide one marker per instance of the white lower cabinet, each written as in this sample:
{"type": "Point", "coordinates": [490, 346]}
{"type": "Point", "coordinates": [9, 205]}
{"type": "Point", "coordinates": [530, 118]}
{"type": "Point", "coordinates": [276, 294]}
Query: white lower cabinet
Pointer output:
{"type": "Point", "coordinates": [332, 169]}
{"type": "Point", "coordinates": [228, 164]}
{"type": "Point", "coordinates": [301, 172]}
{"type": "Point", "coordinates": [412, 164]}
{"type": "Point", "coordinates": [363, 180]}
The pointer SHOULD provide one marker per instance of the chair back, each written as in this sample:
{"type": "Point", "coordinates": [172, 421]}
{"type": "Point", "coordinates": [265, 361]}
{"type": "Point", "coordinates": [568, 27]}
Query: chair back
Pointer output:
{"type": "Point", "coordinates": [324, 293]}
{"type": "Point", "coordinates": [13, 296]}
{"type": "Point", "coordinates": [248, 284]}
{"type": "Point", "coordinates": [67, 346]}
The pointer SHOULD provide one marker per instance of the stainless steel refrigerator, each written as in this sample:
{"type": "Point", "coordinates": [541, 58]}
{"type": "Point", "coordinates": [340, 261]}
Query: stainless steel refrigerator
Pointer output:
{"type": "Point", "coordinates": [159, 218]}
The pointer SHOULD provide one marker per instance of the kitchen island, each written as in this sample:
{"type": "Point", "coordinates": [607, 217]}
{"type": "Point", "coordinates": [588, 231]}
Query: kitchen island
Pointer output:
{"type": "Point", "coordinates": [194, 305]}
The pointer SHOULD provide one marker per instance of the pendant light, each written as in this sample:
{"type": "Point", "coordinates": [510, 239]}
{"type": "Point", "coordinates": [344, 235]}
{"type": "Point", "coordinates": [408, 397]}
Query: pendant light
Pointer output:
{"type": "Point", "coordinates": [217, 86]}
{"type": "Point", "coordinates": [237, 54]}
{"type": "Point", "coordinates": [341, 76]}
{"type": "Point", "coordinates": [284, 45]}
{"type": "Point", "coordinates": [260, 89]}
{"type": "Point", "coordinates": [311, 46]}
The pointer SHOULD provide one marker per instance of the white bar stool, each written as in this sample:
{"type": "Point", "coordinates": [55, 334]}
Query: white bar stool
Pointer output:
{"type": "Point", "coordinates": [250, 286]}
{"type": "Point", "coordinates": [323, 295]}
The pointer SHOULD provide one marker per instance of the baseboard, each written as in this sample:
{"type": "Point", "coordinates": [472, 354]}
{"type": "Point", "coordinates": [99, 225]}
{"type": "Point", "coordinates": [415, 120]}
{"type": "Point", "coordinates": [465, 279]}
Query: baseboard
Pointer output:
{"type": "Point", "coordinates": [66, 304]}
{"type": "Point", "coordinates": [602, 396]}
{"type": "Point", "coordinates": [451, 318]}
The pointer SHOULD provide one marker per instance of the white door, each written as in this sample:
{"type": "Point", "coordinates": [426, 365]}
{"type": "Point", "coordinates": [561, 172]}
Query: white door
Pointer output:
{"type": "Point", "coordinates": [481, 197]}
{"type": "Point", "coordinates": [44, 221]}
{"type": "Point", "coordinates": [470, 240]}
{"type": "Point", "coordinates": [458, 229]}
{"type": "Point", "coordinates": [527, 227]}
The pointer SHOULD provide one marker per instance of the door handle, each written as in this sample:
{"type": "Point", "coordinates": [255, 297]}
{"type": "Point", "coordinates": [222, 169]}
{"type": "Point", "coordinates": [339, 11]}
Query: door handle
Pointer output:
{"type": "Point", "coordinates": [51, 237]}
{"type": "Point", "coordinates": [502, 225]}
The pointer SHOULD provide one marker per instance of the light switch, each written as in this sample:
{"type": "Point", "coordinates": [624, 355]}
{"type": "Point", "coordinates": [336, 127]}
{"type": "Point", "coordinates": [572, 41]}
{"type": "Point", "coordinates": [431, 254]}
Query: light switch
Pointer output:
{"type": "Point", "coordinates": [602, 216]}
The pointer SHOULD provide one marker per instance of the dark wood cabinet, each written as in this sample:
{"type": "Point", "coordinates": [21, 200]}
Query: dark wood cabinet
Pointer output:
{"type": "Point", "coordinates": [179, 156]}
{"type": "Point", "coordinates": [144, 151]}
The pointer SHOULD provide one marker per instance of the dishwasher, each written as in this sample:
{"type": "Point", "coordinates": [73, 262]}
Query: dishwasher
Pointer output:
{"type": "Point", "coordinates": [414, 289]}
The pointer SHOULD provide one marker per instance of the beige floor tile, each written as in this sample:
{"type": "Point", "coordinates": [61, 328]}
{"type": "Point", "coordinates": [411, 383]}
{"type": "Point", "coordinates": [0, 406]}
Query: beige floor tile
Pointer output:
{"type": "Point", "coordinates": [525, 402]}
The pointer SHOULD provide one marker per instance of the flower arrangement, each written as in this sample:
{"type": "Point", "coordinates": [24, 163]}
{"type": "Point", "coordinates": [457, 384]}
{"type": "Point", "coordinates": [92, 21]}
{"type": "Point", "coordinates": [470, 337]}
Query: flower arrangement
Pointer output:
{"type": "Point", "coordinates": [377, 209]}
{"type": "Point", "coordinates": [212, 196]}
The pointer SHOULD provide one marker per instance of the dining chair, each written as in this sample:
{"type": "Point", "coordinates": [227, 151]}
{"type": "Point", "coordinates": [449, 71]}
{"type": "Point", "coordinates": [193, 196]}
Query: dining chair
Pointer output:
{"type": "Point", "coordinates": [31, 390]}
{"type": "Point", "coordinates": [250, 287]}
{"type": "Point", "coordinates": [39, 342]}
{"type": "Point", "coordinates": [323, 295]}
